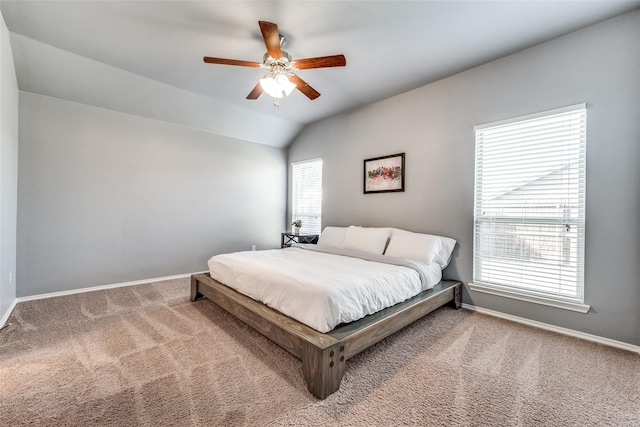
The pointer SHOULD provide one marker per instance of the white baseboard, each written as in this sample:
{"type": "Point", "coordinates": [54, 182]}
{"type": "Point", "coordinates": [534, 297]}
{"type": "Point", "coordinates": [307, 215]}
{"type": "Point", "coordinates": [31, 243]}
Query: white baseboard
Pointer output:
{"type": "Point", "coordinates": [558, 329]}
{"type": "Point", "coordinates": [102, 287]}
{"type": "Point", "coordinates": [5, 317]}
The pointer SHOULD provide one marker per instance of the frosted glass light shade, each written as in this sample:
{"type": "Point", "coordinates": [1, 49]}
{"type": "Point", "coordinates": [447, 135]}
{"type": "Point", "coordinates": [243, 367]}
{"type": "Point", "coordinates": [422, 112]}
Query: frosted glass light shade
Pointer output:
{"type": "Point", "coordinates": [278, 86]}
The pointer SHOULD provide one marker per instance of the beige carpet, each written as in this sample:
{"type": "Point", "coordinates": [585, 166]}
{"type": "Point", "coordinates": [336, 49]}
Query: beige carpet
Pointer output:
{"type": "Point", "coordinates": [146, 356]}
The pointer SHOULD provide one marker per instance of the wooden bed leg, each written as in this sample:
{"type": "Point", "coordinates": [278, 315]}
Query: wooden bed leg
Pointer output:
{"type": "Point", "coordinates": [323, 368]}
{"type": "Point", "coordinates": [194, 290]}
{"type": "Point", "coordinates": [457, 296]}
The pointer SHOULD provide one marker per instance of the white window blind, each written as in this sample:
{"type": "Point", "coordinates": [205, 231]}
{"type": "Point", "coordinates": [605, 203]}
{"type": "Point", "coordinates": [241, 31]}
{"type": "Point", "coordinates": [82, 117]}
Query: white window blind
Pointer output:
{"type": "Point", "coordinates": [530, 204]}
{"type": "Point", "coordinates": [306, 198]}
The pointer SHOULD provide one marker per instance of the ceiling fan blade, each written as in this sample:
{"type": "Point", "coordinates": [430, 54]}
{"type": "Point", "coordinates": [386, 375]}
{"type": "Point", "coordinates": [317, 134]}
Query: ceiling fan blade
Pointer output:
{"type": "Point", "coordinates": [271, 38]}
{"type": "Point", "coordinates": [223, 61]}
{"type": "Point", "coordinates": [304, 87]}
{"type": "Point", "coordinates": [320, 62]}
{"type": "Point", "coordinates": [255, 92]}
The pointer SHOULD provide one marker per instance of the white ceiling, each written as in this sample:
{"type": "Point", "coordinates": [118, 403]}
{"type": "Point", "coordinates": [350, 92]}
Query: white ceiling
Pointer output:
{"type": "Point", "coordinates": [145, 57]}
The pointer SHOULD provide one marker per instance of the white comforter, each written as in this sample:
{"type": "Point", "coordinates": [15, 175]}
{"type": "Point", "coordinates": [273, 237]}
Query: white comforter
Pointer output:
{"type": "Point", "coordinates": [319, 289]}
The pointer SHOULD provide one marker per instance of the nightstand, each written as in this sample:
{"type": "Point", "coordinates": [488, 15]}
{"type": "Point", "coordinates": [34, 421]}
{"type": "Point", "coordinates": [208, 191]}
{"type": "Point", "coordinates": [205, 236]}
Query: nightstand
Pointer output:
{"type": "Point", "coordinates": [288, 238]}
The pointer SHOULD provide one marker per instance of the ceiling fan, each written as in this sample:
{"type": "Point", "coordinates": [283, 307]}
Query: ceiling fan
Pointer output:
{"type": "Point", "coordinates": [281, 79]}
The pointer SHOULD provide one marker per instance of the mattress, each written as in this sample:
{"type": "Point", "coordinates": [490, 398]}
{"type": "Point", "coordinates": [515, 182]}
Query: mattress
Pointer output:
{"type": "Point", "coordinates": [323, 289]}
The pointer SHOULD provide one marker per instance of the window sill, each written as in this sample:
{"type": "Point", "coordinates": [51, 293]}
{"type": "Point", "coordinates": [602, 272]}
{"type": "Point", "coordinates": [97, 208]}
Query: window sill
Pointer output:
{"type": "Point", "coordinates": [536, 299]}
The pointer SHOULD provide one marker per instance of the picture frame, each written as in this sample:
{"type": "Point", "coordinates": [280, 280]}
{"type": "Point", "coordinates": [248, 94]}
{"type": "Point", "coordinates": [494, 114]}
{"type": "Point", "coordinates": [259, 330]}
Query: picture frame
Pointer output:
{"type": "Point", "coordinates": [384, 174]}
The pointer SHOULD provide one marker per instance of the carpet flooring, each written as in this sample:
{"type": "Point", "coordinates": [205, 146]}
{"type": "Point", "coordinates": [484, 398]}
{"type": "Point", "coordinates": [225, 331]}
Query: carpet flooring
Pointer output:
{"type": "Point", "coordinates": [146, 356]}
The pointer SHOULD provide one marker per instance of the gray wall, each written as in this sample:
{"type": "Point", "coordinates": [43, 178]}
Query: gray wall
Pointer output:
{"type": "Point", "coordinates": [8, 172]}
{"type": "Point", "coordinates": [434, 124]}
{"type": "Point", "coordinates": [107, 197]}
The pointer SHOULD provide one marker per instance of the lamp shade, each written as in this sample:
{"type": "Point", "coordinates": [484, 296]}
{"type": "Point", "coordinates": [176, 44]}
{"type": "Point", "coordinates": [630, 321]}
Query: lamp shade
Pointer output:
{"type": "Point", "coordinates": [277, 85]}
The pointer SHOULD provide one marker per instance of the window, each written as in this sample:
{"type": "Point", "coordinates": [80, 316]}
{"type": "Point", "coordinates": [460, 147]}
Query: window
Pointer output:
{"type": "Point", "coordinates": [529, 208]}
{"type": "Point", "coordinates": [306, 198]}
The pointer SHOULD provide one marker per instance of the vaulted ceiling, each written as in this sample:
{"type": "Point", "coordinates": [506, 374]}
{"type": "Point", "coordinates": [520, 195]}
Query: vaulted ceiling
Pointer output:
{"type": "Point", "coordinates": [145, 57]}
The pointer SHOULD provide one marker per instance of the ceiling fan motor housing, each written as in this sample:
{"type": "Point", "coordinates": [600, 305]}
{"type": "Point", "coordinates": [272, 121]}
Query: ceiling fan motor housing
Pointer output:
{"type": "Point", "coordinates": [284, 62]}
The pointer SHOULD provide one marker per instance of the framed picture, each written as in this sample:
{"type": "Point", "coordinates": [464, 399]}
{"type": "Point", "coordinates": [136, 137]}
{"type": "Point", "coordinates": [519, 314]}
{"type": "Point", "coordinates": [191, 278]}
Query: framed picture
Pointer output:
{"type": "Point", "coordinates": [384, 174]}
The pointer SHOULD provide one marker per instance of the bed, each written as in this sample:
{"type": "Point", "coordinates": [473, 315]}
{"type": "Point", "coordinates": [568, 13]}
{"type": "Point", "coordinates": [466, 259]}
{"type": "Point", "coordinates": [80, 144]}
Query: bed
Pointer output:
{"type": "Point", "coordinates": [325, 348]}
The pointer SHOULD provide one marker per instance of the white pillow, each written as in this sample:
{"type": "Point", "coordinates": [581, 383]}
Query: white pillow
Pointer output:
{"type": "Point", "coordinates": [443, 249]}
{"type": "Point", "coordinates": [419, 247]}
{"type": "Point", "coordinates": [366, 239]}
{"type": "Point", "coordinates": [446, 250]}
{"type": "Point", "coordinates": [332, 236]}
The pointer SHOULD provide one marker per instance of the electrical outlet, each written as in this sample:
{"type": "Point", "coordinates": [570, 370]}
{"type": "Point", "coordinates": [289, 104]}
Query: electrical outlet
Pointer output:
{"type": "Point", "coordinates": [253, 247]}
{"type": "Point", "coordinates": [11, 277]}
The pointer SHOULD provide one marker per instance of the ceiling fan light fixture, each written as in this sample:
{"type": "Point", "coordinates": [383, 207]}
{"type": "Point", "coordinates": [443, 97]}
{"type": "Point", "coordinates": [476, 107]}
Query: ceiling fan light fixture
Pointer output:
{"type": "Point", "coordinates": [282, 79]}
{"type": "Point", "coordinates": [277, 85]}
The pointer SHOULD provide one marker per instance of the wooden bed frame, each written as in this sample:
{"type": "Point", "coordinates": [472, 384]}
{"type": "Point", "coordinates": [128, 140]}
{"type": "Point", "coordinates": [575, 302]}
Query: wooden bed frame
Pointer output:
{"type": "Point", "coordinates": [324, 355]}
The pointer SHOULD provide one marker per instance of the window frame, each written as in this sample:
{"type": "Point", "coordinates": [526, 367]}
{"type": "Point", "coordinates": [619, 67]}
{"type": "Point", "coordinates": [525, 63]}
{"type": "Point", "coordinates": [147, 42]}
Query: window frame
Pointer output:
{"type": "Point", "coordinates": [575, 219]}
